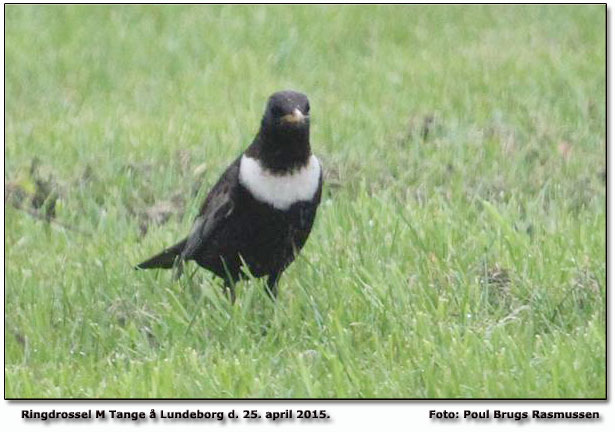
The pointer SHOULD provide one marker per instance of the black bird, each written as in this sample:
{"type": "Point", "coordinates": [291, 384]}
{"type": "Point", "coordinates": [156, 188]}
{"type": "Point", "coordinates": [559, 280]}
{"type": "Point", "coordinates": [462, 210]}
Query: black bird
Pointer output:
{"type": "Point", "coordinates": [261, 210]}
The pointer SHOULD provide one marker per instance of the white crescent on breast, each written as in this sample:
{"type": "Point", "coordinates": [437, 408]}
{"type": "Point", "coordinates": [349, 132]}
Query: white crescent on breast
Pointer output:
{"type": "Point", "coordinates": [283, 190]}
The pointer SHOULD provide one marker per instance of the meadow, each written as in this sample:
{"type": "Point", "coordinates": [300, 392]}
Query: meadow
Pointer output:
{"type": "Point", "coordinates": [459, 251]}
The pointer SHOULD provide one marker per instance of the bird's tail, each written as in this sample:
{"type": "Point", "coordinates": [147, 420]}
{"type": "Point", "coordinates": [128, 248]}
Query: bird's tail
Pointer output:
{"type": "Point", "coordinates": [164, 259]}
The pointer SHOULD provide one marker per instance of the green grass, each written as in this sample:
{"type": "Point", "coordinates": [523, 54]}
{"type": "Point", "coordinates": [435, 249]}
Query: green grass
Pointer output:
{"type": "Point", "coordinates": [459, 250]}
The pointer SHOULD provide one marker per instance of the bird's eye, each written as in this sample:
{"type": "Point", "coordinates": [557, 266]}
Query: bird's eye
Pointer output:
{"type": "Point", "coordinates": [307, 108]}
{"type": "Point", "coordinates": [276, 111]}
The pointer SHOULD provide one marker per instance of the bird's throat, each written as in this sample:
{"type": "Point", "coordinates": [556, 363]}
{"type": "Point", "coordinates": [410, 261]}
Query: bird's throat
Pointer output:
{"type": "Point", "coordinates": [283, 151]}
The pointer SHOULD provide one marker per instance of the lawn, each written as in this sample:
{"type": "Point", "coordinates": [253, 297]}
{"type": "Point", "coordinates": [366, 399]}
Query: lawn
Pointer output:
{"type": "Point", "coordinates": [459, 251]}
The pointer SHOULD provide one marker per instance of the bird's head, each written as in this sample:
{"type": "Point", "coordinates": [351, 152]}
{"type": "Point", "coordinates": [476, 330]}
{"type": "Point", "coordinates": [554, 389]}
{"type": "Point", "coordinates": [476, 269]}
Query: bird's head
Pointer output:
{"type": "Point", "coordinates": [284, 138]}
{"type": "Point", "coordinates": [287, 111]}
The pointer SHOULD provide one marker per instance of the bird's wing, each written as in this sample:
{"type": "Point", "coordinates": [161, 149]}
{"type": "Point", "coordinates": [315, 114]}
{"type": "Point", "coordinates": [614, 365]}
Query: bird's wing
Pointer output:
{"type": "Point", "coordinates": [321, 181]}
{"type": "Point", "coordinates": [217, 207]}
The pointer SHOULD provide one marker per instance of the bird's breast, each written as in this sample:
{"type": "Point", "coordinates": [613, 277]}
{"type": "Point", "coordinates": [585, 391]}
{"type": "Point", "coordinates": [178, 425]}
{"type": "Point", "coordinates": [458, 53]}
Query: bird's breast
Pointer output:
{"type": "Point", "coordinates": [280, 190]}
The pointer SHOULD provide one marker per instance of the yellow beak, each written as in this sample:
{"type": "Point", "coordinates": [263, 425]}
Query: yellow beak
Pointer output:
{"type": "Point", "coordinates": [295, 117]}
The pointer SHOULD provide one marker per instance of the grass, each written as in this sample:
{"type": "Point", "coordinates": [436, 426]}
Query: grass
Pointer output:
{"type": "Point", "coordinates": [459, 251]}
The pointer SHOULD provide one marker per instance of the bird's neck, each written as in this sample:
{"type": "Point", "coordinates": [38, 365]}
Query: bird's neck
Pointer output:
{"type": "Point", "coordinates": [281, 151]}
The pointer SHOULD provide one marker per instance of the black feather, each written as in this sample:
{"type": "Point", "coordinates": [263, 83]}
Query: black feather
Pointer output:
{"type": "Point", "coordinates": [164, 259]}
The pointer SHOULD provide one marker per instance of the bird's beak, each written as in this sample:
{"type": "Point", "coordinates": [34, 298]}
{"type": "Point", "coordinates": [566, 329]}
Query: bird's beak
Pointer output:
{"type": "Point", "coordinates": [295, 117]}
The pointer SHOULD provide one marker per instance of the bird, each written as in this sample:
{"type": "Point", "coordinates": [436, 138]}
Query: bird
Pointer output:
{"type": "Point", "coordinates": [260, 212]}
